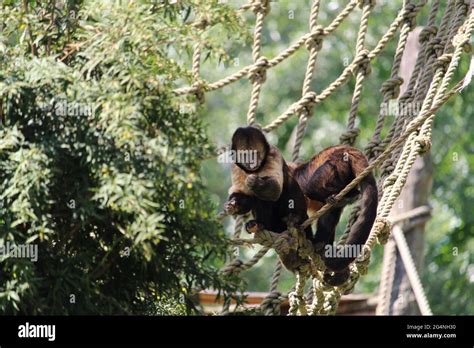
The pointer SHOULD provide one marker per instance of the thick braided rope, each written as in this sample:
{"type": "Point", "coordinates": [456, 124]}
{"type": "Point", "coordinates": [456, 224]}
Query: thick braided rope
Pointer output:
{"type": "Point", "coordinates": [386, 278]}
{"type": "Point", "coordinates": [391, 88]}
{"type": "Point", "coordinates": [361, 72]}
{"type": "Point", "coordinates": [314, 45]}
{"type": "Point", "coordinates": [271, 303]}
{"type": "Point", "coordinates": [412, 149]}
{"type": "Point", "coordinates": [436, 46]}
{"type": "Point", "coordinates": [313, 99]}
{"type": "Point", "coordinates": [412, 273]}
{"type": "Point", "coordinates": [257, 73]}
{"type": "Point", "coordinates": [422, 70]}
{"type": "Point", "coordinates": [278, 59]}
{"type": "Point", "coordinates": [411, 127]}
{"type": "Point", "coordinates": [426, 113]}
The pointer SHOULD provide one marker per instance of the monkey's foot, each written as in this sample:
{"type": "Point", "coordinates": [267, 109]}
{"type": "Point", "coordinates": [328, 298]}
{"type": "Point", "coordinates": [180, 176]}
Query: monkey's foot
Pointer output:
{"type": "Point", "coordinates": [319, 248]}
{"type": "Point", "coordinates": [231, 207]}
{"type": "Point", "coordinates": [336, 278]}
{"type": "Point", "coordinates": [253, 226]}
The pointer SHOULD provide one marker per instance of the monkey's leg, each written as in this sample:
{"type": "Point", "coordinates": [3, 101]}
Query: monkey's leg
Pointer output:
{"type": "Point", "coordinates": [325, 236]}
{"type": "Point", "coordinates": [266, 188]}
{"type": "Point", "coordinates": [326, 228]}
{"type": "Point", "coordinates": [238, 204]}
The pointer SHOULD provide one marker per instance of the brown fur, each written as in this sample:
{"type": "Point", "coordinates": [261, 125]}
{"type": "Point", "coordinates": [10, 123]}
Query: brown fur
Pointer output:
{"type": "Point", "coordinates": [269, 190]}
{"type": "Point", "coordinates": [323, 177]}
{"type": "Point", "coordinates": [272, 167]}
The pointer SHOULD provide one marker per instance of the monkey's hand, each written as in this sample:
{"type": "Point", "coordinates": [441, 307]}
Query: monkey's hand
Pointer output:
{"type": "Point", "coordinates": [348, 199]}
{"type": "Point", "coordinates": [337, 277]}
{"type": "Point", "coordinates": [253, 226]}
{"type": "Point", "coordinates": [332, 200]}
{"type": "Point", "coordinates": [264, 187]}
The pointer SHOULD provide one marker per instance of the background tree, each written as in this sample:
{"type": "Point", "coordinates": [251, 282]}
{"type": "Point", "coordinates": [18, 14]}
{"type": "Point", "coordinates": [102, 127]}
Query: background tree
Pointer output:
{"type": "Point", "coordinates": [99, 164]}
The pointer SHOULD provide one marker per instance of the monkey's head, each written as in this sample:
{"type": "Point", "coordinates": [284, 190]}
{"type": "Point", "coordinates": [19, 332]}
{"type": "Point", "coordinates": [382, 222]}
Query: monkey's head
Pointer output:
{"type": "Point", "coordinates": [249, 148]}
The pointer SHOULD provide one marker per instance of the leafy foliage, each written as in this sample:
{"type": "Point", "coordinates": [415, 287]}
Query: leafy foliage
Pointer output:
{"type": "Point", "coordinates": [99, 163]}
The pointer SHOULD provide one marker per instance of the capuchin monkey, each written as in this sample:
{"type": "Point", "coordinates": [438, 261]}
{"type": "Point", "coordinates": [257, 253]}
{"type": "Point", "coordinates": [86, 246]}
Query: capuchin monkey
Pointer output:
{"type": "Point", "coordinates": [321, 179]}
{"type": "Point", "coordinates": [262, 184]}
{"type": "Point", "coordinates": [276, 192]}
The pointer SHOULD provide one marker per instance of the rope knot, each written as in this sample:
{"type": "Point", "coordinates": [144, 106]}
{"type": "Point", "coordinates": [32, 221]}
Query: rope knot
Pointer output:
{"type": "Point", "coordinates": [374, 147]}
{"type": "Point", "coordinates": [409, 16]}
{"type": "Point", "coordinates": [364, 258]}
{"type": "Point", "coordinates": [436, 46]}
{"type": "Point", "coordinates": [362, 268]}
{"type": "Point", "coordinates": [271, 303]}
{"type": "Point", "coordinates": [443, 61]}
{"type": "Point", "coordinates": [307, 103]}
{"type": "Point", "coordinates": [258, 72]}
{"type": "Point", "coordinates": [370, 3]}
{"type": "Point", "coordinates": [233, 266]}
{"type": "Point", "coordinates": [424, 142]}
{"type": "Point", "coordinates": [200, 88]}
{"type": "Point", "coordinates": [389, 181]}
{"type": "Point", "coordinates": [261, 6]}
{"type": "Point", "coordinates": [462, 39]}
{"type": "Point", "coordinates": [315, 40]}
{"type": "Point", "coordinates": [362, 63]}
{"type": "Point", "coordinates": [391, 87]}
{"type": "Point", "coordinates": [349, 136]}
{"type": "Point", "coordinates": [427, 33]}
{"type": "Point", "coordinates": [383, 226]}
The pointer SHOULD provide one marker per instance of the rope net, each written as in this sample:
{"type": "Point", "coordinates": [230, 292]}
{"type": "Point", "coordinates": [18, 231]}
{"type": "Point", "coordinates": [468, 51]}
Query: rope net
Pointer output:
{"type": "Point", "coordinates": [407, 137]}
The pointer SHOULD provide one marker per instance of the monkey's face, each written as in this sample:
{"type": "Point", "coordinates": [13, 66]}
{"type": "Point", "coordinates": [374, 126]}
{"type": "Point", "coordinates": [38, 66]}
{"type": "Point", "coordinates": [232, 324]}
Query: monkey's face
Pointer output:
{"type": "Point", "coordinates": [249, 148]}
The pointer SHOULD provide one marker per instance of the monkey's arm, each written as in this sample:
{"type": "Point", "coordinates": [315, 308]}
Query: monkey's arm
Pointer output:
{"type": "Point", "coordinates": [266, 188]}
